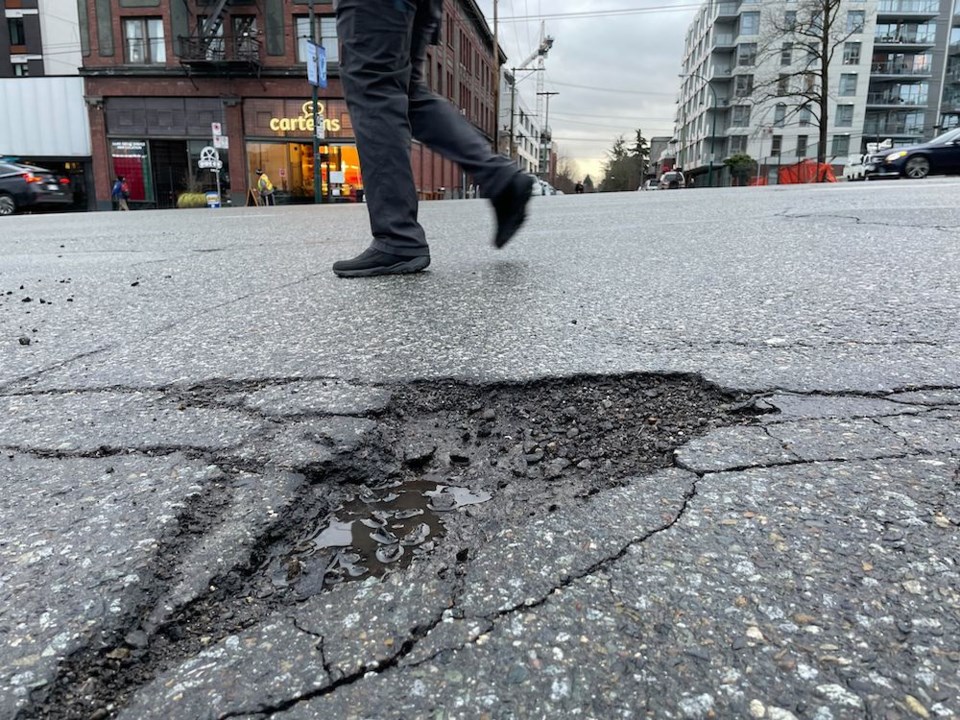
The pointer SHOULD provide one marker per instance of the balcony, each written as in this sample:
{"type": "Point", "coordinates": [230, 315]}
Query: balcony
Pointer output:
{"type": "Point", "coordinates": [900, 69]}
{"type": "Point", "coordinates": [951, 102]}
{"type": "Point", "coordinates": [214, 55]}
{"type": "Point", "coordinates": [905, 38]}
{"type": "Point", "coordinates": [888, 129]}
{"type": "Point", "coordinates": [887, 99]}
{"type": "Point", "coordinates": [724, 40]}
{"type": "Point", "coordinates": [954, 49]}
{"type": "Point", "coordinates": [728, 10]}
{"type": "Point", "coordinates": [911, 8]}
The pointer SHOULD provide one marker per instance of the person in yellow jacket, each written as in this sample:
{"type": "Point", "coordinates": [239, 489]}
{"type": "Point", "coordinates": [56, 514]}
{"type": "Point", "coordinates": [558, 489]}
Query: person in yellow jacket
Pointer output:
{"type": "Point", "coordinates": [265, 187]}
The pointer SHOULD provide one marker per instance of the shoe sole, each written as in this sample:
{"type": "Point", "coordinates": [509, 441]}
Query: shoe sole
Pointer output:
{"type": "Point", "coordinates": [415, 264]}
{"type": "Point", "coordinates": [506, 232]}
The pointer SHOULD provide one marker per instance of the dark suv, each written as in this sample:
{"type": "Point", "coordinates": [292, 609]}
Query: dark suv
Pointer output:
{"type": "Point", "coordinates": [25, 187]}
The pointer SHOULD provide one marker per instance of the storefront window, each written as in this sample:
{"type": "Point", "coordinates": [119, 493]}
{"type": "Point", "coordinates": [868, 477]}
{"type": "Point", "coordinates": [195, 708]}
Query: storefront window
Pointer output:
{"type": "Point", "coordinates": [131, 159]}
{"type": "Point", "coordinates": [290, 167]}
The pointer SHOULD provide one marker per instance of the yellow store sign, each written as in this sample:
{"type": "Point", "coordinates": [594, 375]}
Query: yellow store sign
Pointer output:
{"type": "Point", "coordinates": [304, 122]}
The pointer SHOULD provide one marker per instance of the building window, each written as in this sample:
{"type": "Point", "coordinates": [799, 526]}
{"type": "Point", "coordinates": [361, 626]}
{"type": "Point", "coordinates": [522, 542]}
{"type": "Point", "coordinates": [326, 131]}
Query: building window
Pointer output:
{"type": "Point", "coordinates": [851, 53]}
{"type": "Point", "coordinates": [855, 20]}
{"type": "Point", "coordinates": [783, 85]}
{"type": "Point", "coordinates": [790, 20]}
{"type": "Point", "coordinates": [779, 115]}
{"type": "Point", "coordinates": [747, 54]}
{"type": "Point", "coordinates": [848, 85]}
{"type": "Point", "coordinates": [744, 86]}
{"type": "Point", "coordinates": [841, 145]}
{"type": "Point", "coordinates": [750, 23]}
{"type": "Point", "coordinates": [805, 117]}
{"type": "Point", "coordinates": [17, 34]}
{"type": "Point", "coordinates": [777, 146]}
{"type": "Point", "coordinates": [740, 117]}
{"type": "Point", "coordinates": [328, 37]}
{"type": "Point", "coordinates": [21, 70]}
{"type": "Point", "coordinates": [144, 42]}
{"type": "Point", "coordinates": [801, 146]}
{"type": "Point", "coordinates": [844, 116]}
{"type": "Point", "coordinates": [738, 144]}
{"type": "Point", "coordinates": [786, 54]}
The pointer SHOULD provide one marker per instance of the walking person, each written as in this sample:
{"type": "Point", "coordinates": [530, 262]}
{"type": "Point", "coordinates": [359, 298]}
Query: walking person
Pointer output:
{"type": "Point", "coordinates": [120, 193]}
{"type": "Point", "coordinates": [383, 47]}
{"type": "Point", "coordinates": [265, 188]}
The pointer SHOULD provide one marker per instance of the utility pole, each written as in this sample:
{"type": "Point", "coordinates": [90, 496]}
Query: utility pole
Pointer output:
{"type": "Point", "coordinates": [546, 135]}
{"type": "Point", "coordinates": [496, 83]}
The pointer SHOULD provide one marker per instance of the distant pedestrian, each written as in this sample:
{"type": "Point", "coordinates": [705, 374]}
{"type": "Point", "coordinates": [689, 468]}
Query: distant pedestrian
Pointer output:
{"type": "Point", "coordinates": [265, 188]}
{"type": "Point", "coordinates": [578, 188]}
{"type": "Point", "coordinates": [120, 193]}
{"type": "Point", "coordinates": [383, 47]}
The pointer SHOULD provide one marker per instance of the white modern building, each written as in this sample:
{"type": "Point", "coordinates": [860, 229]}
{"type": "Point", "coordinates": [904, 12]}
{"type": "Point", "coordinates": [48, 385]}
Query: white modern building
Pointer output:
{"type": "Point", "coordinates": [895, 73]}
{"type": "Point", "coordinates": [521, 124]}
{"type": "Point", "coordinates": [43, 116]}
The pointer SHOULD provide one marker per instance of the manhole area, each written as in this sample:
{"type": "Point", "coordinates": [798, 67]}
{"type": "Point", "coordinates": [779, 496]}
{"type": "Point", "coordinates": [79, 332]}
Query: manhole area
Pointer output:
{"type": "Point", "coordinates": [463, 461]}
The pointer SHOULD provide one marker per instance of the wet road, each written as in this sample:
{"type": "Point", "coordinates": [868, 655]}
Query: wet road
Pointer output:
{"type": "Point", "coordinates": [178, 386]}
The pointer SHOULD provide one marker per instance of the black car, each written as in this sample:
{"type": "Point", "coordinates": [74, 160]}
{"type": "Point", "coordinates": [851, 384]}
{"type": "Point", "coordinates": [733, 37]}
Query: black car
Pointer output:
{"type": "Point", "coordinates": [25, 187]}
{"type": "Point", "coordinates": [940, 156]}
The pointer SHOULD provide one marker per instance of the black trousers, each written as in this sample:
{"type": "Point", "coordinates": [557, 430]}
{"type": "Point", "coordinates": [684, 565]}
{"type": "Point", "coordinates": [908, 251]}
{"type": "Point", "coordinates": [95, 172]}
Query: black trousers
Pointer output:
{"type": "Point", "coordinates": [383, 47]}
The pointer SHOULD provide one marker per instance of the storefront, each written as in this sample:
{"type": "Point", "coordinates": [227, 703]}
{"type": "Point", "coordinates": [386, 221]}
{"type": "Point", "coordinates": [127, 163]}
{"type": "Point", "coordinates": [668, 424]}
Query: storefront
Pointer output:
{"type": "Point", "coordinates": [279, 140]}
{"type": "Point", "coordinates": [155, 144]}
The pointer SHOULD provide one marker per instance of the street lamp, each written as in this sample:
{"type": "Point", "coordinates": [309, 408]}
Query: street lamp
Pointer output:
{"type": "Point", "coordinates": [713, 131]}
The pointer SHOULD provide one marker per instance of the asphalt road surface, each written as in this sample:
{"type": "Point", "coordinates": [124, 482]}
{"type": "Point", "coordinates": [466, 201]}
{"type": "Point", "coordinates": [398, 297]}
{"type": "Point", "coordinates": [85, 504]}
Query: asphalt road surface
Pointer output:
{"type": "Point", "coordinates": [688, 454]}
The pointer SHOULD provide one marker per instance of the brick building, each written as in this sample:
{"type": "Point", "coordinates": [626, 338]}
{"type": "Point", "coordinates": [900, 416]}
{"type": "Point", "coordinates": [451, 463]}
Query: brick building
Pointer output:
{"type": "Point", "coordinates": [159, 74]}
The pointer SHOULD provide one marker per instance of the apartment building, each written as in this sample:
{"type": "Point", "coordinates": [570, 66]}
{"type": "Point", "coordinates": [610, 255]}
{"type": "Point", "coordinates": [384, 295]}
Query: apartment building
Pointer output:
{"type": "Point", "coordinates": [890, 77]}
{"type": "Point", "coordinates": [44, 119]}
{"type": "Point", "coordinates": [161, 75]}
{"type": "Point", "coordinates": [518, 118]}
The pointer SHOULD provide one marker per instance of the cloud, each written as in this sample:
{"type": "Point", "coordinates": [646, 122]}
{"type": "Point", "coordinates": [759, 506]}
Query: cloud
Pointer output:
{"type": "Point", "coordinates": [613, 73]}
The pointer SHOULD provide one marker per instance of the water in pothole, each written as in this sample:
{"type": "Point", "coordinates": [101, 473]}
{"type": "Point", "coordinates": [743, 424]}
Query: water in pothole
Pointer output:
{"type": "Point", "coordinates": [378, 530]}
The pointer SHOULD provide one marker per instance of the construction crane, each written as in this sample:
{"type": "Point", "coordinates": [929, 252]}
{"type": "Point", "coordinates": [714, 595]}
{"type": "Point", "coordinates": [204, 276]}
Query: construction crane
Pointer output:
{"type": "Point", "coordinates": [540, 54]}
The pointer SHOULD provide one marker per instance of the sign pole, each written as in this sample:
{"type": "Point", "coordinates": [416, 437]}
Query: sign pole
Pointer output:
{"type": "Point", "coordinates": [317, 198]}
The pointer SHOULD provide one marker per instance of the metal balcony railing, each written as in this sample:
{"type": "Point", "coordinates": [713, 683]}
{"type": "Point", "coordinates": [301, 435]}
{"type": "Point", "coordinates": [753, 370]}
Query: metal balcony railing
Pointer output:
{"type": "Point", "coordinates": [885, 98]}
{"type": "Point", "coordinates": [899, 68]}
{"type": "Point", "coordinates": [908, 7]}
{"type": "Point", "coordinates": [891, 128]}
{"type": "Point", "coordinates": [216, 49]}
{"type": "Point", "coordinates": [905, 38]}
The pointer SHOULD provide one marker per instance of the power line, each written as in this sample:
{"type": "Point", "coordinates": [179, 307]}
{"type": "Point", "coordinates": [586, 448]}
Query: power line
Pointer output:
{"type": "Point", "coordinates": [602, 13]}
{"type": "Point", "coordinates": [613, 90]}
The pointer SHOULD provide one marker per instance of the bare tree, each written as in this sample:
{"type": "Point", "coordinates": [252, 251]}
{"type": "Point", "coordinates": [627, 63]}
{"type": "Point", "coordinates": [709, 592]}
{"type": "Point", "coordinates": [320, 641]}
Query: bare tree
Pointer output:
{"type": "Point", "coordinates": [565, 171]}
{"type": "Point", "coordinates": [816, 30]}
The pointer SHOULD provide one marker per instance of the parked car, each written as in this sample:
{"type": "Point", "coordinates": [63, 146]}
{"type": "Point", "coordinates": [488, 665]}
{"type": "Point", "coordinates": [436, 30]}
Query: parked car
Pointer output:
{"type": "Point", "coordinates": [672, 180]}
{"type": "Point", "coordinates": [940, 156]}
{"type": "Point", "coordinates": [541, 187]}
{"type": "Point", "coordinates": [856, 168]}
{"type": "Point", "coordinates": [650, 185]}
{"type": "Point", "coordinates": [25, 187]}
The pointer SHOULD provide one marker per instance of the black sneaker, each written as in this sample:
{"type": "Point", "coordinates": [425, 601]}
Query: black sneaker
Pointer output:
{"type": "Point", "coordinates": [374, 262]}
{"type": "Point", "coordinates": [511, 208]}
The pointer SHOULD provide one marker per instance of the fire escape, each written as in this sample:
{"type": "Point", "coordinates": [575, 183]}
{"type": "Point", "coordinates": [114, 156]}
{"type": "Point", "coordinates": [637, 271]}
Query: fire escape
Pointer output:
{"type": "Point", "coordinates": [209, 51]}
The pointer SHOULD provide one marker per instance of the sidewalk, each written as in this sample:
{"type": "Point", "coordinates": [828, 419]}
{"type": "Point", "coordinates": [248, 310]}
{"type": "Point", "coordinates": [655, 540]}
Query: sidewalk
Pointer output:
{"type": "Point", "coordinates": [186, 393]}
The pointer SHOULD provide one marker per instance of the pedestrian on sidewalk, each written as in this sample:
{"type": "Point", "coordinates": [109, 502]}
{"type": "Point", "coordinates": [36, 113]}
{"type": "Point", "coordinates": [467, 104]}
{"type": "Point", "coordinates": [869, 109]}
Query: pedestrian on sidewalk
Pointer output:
{"type": "Point", "coordinates": [383, 47]}
{"type": "Point", "coordinates": [120, 193]}
{"type": "Point", "coordinates": [265, 188]}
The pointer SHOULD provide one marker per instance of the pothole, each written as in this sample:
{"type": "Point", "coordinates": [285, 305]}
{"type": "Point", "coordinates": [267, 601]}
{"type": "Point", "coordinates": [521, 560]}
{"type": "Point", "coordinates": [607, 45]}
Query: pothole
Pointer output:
{"type": "Point", "coordinates": [450, 465]}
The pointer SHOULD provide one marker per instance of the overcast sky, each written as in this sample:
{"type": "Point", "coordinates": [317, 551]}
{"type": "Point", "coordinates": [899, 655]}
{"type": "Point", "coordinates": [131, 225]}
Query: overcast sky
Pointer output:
{"type": "Point", "coordinates": [614, 64]}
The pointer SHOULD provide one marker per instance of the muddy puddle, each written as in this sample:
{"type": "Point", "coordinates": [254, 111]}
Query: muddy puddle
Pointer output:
{"type": "Point", "coordinates": [378, 530]}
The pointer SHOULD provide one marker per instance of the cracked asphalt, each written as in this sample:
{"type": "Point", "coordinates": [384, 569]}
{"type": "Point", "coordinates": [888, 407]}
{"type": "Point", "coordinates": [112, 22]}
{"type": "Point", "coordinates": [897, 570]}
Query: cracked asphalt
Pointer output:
{"type": "Point", "coordinates": [183, 391]}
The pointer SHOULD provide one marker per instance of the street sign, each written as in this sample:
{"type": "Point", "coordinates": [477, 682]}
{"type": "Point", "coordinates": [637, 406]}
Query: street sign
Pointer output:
{"type": "Point", "coordinates": [216, 129]}
{"type": "Point", "coordinates": [209, 159]}
{"type": "Point", "coordinates": [320, 128]}
{"type": "Point", "coordinates": [221, 142]}
{"type": "Point", "coordinates": [316, 64]}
